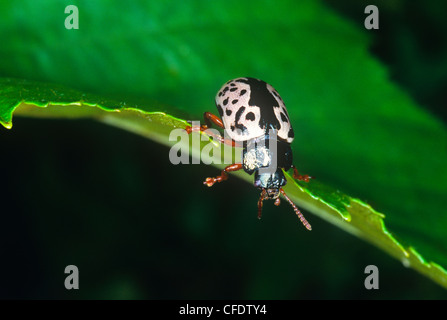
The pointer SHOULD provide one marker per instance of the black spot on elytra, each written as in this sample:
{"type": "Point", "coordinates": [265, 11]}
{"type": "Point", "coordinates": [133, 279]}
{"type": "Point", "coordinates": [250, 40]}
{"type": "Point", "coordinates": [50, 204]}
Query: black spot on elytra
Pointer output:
{"type": "Point", "coordinates": [261, 97]}
{"type": "Point", "coordinates": [219, 108]}
{"type": "Point", "coordinates": [277, 95]}
{"type": "Point", "coordinates": [233, 89]}
{"type": "Point", "coordinates": [243, 91]}
{"type": "Point", "coordinates": [241, 127]}
{"type": "Point", "coordinates": [232, 84]}
{"type": "Point", "coordinates": [232, 128]}
{"type": "Point", "coordinates": [225, 90]}
{"type": "Point", "coordinates": [220, 94]}
{"type": "Point", "coordinates": [239, 113]}
{"type": "Point", "coordinates": [291, 134]}
{"type": "Point", "coordinates": [225, 102]}
{"type": "Point", "coordinates": [238, 125]}
{"type": "Point", "coordinates": [234, 101]}
{"type": "Point", "coordinates": [250, 116]}
{"type": "Point", "coordinates": [228, 112]}
{"type": "Point", "coordinates": [283, 117]}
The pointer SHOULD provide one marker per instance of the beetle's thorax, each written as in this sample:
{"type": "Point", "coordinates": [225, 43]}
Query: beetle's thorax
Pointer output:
{"type": "Point", "coordinates": [266, 157]}
{"type": "Point", "coordinates": [257, 154]}
{"type": "Point", "coordinates": [266, 153]}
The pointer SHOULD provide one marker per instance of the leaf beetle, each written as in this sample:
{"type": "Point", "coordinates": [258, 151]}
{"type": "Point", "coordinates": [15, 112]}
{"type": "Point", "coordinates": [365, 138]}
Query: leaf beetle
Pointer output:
{"type": "Point", "coordinates": [254, 114]}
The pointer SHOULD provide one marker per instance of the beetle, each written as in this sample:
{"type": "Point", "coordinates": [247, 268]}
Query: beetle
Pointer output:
{"type": "Point", "coordinates": [252, 112]}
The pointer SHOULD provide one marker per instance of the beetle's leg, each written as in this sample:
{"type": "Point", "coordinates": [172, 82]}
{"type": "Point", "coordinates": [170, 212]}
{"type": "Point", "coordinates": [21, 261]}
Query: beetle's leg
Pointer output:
{"type": "Point", "coordinates": [298, 176]}
{"type": "Point", "coordinates": [224, 175]}
{"type": "Point", "coordinates": [260, 202]}
{"type": "Point", "coordinates": [277, 202]}
{"type": "Point", "coordinates": [297, 211]}
{"type": "Point", "coordinates": [209, 120]}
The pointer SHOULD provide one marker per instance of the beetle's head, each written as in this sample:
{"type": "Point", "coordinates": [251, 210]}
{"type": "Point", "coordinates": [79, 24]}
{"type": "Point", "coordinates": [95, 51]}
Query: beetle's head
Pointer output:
{"type": "Point", "coordinates": [270, 193]}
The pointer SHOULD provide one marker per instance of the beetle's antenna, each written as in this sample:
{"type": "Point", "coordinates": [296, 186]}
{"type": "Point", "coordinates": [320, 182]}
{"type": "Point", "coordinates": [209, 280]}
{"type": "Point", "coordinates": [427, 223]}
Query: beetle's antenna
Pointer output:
{"type": "Point", "coordinates": [260, 202]}
{"type": "Point", "coordinates": [297, 211]}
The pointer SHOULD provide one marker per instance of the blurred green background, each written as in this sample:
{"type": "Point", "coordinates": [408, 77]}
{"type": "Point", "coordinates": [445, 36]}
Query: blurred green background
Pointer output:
{"type": "Point", "coordinates": [138, 227]}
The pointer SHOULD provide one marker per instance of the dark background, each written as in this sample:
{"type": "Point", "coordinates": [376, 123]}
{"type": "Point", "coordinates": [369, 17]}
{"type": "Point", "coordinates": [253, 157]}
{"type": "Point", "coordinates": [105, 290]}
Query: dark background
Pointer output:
{"type": "Point", "coordinates": [162, 235]}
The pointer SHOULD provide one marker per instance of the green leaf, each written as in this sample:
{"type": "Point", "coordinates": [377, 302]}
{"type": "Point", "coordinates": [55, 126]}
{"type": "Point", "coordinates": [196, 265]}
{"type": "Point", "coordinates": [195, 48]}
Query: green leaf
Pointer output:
{"type": "Point", "coordinates": [332, 205]}
{"type": "Point", "coordinates": [29, 94]}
